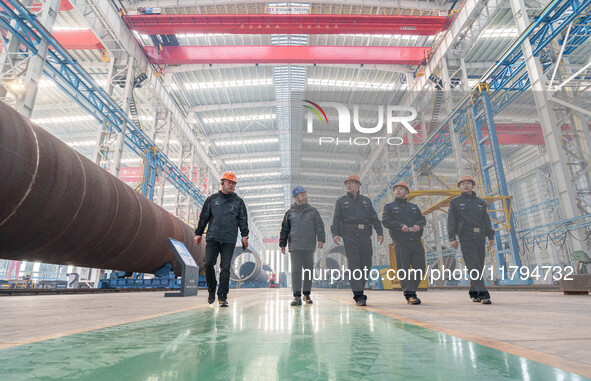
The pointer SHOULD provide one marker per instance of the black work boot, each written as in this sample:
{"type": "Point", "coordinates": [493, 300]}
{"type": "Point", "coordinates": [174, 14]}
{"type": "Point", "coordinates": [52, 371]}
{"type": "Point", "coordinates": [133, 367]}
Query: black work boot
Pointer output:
{"type": "Point", "coordinates": [361, 301]}
{"type": "Point", "coordinates": [307, 299]}
{"type": "Point", "coordinates": [297, 301]}
{"type": "Point", "coordinates": [211, 297]}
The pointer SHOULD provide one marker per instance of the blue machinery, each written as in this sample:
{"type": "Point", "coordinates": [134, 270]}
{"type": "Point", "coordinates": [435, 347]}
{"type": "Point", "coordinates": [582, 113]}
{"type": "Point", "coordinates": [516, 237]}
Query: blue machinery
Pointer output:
{"type": "Point", "coordinates": [502, 84]}
{"type": "Point", "coordinates": [137, 280]}
{"type": "Point", "coordinates": [71, 78]}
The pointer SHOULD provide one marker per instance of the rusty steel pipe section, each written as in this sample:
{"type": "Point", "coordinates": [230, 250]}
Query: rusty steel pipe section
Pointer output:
{"type": "Point", "coordinates": [58, 207]}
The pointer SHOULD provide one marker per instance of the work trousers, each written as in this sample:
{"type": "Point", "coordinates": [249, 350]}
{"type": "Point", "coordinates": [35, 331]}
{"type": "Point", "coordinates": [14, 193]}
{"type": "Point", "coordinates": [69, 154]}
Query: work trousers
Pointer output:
{"type": "Point", "coordinates": [226, 251]}
{"type": "Point", "coordinates": [473, 251]}
{"type": "Point", "coordinates": [301, 260]}
{"type": "Point", "coordinates": [410, 254]}
{"type": "Point", "coordinates": [359, 251]}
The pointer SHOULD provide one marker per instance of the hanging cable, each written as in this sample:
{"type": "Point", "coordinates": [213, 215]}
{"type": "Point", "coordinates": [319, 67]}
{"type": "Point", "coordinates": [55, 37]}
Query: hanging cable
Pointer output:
{"type": "Point", "coordinates": [547, 243]}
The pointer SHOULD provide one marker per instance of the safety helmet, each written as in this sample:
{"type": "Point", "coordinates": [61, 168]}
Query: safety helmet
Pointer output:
{"type": "Point", "coordinates": [229, 176]}
{"type": "Point", "coordinates": [401, 184]}
{"type": "Point", "coordinates": [466, 178]}
{"type": "Point", "coordinates": [353, 178]}
{"type": "Point", "coordinates": [297, 190]}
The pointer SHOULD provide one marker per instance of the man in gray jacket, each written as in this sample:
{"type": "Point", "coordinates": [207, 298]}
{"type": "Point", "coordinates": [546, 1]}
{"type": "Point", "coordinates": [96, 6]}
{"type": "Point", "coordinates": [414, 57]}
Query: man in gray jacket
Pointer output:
{"type": "Point", "coordinates": [303, 228]}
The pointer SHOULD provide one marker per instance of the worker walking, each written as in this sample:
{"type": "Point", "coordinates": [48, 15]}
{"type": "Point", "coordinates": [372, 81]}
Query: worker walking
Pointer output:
{"type": "Point", "coordinates": [302, 228]}
{"type": "Point", "coordinates": [469, 221]}
{"type": "Point", "coordinates": [405, 221]}
{"type": "Point", "coordinates": [354, 217]}
{"type": "Point", "coordinates": [224, 213]}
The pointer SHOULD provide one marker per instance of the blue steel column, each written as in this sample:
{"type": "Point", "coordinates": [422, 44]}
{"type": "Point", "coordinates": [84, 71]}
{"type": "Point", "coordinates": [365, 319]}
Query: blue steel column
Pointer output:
{"type": "Point", "coordinates": [149, 178]}
{"type": "Point", "coordinates": [484, 166]}
{"type": "Point", "coordinates": [492, 133]}
{"type": "Point", "coordinates": [190, 176]}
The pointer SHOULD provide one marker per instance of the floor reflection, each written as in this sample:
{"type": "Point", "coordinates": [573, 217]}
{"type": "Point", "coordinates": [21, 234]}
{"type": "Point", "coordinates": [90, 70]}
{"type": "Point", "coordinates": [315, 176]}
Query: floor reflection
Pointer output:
{"type": "Point", "coordinates": [262, 337]}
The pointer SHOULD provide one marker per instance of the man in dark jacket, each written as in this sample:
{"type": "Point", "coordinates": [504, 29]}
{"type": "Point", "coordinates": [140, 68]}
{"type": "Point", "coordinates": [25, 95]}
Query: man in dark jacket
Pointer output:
{"type": "Point", "coordinates": [225, 213]}
{"type": "Point", "coordinates": [303, 229]}
{"type": "Point", "coordinates": [406, 222]}
{"type": "Point", "coordinates": [354, 217]}
{"type": "Point", "coordinates": [468, 219]}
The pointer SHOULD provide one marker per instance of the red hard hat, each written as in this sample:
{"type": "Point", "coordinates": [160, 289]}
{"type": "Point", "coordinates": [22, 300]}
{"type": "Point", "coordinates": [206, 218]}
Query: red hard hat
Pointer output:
{"type": "Point", "coordinates": [401, 184]}
{"type": "Point", "coordinates": [229, 176]}
{"type": "Point", "coordinates": [466, 178]}
{"type": "Point", "coordinates": [353, 178]}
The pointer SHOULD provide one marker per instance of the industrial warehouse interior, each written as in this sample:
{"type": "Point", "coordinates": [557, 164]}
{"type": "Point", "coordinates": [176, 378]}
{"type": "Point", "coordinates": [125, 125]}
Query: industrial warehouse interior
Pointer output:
{"type": "Point", "coordinates": [314, 190]}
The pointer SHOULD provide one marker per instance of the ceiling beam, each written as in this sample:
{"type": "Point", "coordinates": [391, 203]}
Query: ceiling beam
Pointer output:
{"type": "Point", "coordinates": [245, 134]}
{"type": "Point", "coordinates": [226, 106]}
{"type": "Point", "coordinates": [405, 4]}
{"type": "Point", "coordinates": [309, 154]}
{"type": "Point", "coordinates": [201, 67]}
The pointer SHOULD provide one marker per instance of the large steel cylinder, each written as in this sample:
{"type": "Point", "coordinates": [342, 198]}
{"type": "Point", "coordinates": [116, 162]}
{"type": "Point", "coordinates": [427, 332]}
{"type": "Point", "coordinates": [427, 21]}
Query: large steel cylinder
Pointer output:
{"type": "Point", "coordinates": [248, 269]}
{"type": "Point", "coordinates": [268, 269]}
{"type": "Point", "coordinates": [332, 257]}
{"type": "Point", "coordinates": [58, 207]}
{"type": "Point", "coordinates": [251, 270]}
{"type": "Point", "coordinates": [332, 264]}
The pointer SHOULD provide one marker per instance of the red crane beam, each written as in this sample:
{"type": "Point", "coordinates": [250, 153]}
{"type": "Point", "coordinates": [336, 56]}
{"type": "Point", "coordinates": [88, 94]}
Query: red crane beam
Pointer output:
{"type": "Point", "coordinates": [77, 39]}
{"type": "Point", "coordinates": [392, 55]}
{"type": "Point", "coordinates": [287, 24]}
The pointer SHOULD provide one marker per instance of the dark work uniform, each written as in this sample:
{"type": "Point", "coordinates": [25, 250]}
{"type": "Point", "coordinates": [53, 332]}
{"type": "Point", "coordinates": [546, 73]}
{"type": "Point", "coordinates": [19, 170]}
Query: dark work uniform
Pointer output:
{"type": "Point", "coordinates": [224, 213]}
{"type": "Point", "coordinates": [468, 219]}
{"type": "Point", "coordinates": [407, 246]}
{"type": "Point", "coordinates": [302, 227]}
{"type": "Point", "coordinates": [353, 220]}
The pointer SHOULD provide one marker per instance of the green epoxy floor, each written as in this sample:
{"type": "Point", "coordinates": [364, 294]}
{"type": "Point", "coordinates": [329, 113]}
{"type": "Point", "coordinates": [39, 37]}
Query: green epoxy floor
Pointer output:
{"type": "Point", "coordinates": [260, 337]}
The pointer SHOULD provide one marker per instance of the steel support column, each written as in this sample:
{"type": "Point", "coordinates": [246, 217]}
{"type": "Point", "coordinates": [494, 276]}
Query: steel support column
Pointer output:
{"type": "Point", "coordinates": [9, 59]}
{"type": "Point", "coordinates": [178, 193]}
{"type": "Point", "coordinates": [192, 179]}
{"type": "Point", "coordinates": [26, 102]}
{"type": "Point", "coordinates": [165, 146]}
{"type": "Point", "coordinates": [455, 142]}
{"type": "Point", "coordinates": [464, 75]}
{"type": "Point", "coordinates": [500, 173]}
{"type": "Point", "coordinates": [101, 146]}
{"type": "Point", "coordinates": [558, 163]}
{"type": "Point", "coordinates": [125, 106]}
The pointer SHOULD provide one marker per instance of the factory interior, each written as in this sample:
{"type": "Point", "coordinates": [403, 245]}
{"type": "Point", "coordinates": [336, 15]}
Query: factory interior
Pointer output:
{"type": "Point", "coordinates": [137, 135]}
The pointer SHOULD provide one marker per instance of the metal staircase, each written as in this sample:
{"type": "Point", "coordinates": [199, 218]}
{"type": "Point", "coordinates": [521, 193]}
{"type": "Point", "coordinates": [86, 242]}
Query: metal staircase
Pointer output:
{"type": "Point", "coordinates": [133, 111]}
